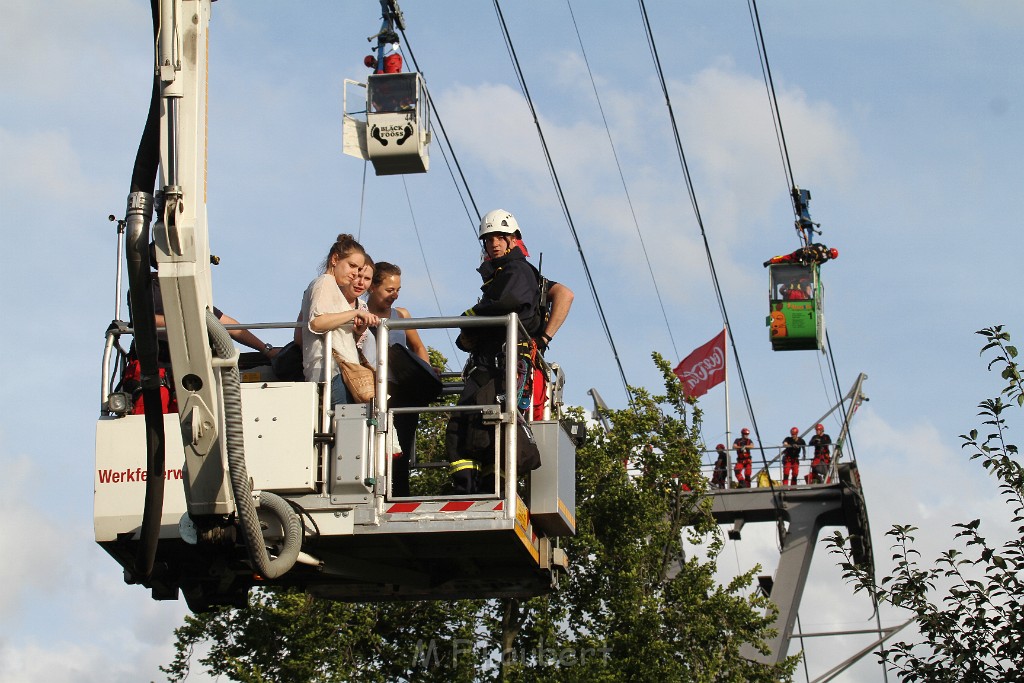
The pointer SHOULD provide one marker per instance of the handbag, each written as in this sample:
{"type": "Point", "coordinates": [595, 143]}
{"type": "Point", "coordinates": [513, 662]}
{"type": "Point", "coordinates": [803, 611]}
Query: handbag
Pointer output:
{"type": "Point", "coordinates": [287, 364]}
{"type": "Point", "coordinates": [411, 380]}
{"type": "Point", "coordinates": [359, 378]}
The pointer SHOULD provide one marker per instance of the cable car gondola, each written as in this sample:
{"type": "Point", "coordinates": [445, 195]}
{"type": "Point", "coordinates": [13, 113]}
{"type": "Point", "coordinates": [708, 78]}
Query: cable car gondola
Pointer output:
{"type": "Point", "coordinates": [796, 295]}
{"type": "Point", "coordinates": [796, 318]}
{"type": "Point", "coordinates": [395, 133]}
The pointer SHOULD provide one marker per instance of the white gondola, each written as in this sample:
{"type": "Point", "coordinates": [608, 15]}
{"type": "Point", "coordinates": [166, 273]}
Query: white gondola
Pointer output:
{"type": "Point", "coordinates": [395, 133]}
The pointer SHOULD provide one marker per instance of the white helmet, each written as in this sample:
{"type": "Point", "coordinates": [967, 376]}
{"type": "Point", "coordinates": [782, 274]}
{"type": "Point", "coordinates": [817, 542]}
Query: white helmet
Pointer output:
{"type": "Point", "coordinates": [499, 221]}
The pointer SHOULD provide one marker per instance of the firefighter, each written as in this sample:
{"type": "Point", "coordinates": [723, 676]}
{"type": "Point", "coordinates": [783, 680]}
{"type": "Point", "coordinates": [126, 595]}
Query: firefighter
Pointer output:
{"type": "Point", "coordinates": [744, 465]}
{"type": "Point", "coordinates": [822, 462]}
{"type": "Point", "coordinates": [721, 468]}
{"type": "Point", "coordinates": [510, 285]}
{"type": "Point", "coordinates": [793, 448]}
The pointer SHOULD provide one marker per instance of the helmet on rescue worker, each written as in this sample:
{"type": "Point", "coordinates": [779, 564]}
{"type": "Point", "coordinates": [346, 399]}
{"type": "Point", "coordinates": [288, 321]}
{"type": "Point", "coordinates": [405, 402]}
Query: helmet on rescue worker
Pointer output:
{"type": "Point", "coordinates": [720, 447]}
{"type": "Point", "coordinates": [794, 431]}
{"type": "Point", "coordinates": [499, 221]}
{"type": "Point", "coordinates": [819, 427]}
{"type": "Point", "coordinates": [744, 431]}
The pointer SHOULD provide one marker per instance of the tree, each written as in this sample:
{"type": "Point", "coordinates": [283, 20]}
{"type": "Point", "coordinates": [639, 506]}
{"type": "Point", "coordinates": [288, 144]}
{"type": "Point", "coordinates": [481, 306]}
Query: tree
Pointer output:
{"type": "Point", "coordinates": [974, 629]}
{"type": "Point", "coordinates": [632, 608]}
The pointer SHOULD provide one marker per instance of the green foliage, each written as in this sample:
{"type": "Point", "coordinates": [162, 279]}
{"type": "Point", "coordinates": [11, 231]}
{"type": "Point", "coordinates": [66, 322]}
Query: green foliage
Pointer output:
{"type": "Point", "coordinates": [631, 608]}
{"type": "Point", "coordinates": [292, 637]}
{"type": "Point", "coordinates": [973, 631]}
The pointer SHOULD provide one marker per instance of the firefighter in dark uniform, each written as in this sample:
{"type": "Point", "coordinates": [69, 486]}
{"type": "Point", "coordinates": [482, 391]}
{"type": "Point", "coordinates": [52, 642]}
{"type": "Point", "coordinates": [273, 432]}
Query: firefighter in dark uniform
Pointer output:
{"type": "Point", "coordinates": [793, 448]}
{"type": "Point", "coordinates": [721, 468]}
{"type": "Point", "coordinates": [510, 285]}
{"type": "Point", "coordinates": [744, 465]}
{"type": "Point", "coordinates": [821, 443]}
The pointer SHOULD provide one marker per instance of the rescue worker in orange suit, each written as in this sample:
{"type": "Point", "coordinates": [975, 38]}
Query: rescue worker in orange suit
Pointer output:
{"type": "Point", "coordinates": [821, 443]}
{"type": "Point", "coordinates": [721, 468]}
{"type": "Point", "coordinates": [793, 448]}
{"type": "Point", "coordinates": [805, 256]}
{"type": "Point", "coordinates": [744, 465]}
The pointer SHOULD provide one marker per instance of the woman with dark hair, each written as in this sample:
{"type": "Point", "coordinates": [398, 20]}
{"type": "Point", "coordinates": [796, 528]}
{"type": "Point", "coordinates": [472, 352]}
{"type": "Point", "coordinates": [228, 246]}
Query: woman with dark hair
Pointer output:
{"type": "Point", "coordinates": [325, 310]}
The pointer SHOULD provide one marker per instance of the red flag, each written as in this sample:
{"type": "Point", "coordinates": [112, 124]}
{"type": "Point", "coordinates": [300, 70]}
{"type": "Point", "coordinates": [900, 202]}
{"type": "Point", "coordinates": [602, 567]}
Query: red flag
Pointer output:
{"type": "Point", "coordinates": [704, 368]}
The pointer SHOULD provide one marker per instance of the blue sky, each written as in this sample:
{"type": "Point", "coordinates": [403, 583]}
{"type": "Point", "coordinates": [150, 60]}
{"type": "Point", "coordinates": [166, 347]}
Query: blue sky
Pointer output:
{"type": "Point", "coordinates": [904, 121]}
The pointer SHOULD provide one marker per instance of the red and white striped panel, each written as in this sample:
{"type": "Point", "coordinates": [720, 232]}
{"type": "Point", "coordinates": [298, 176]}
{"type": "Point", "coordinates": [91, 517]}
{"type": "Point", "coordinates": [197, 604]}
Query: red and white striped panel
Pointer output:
{"type": "Point", "coordinates": [447, 506]}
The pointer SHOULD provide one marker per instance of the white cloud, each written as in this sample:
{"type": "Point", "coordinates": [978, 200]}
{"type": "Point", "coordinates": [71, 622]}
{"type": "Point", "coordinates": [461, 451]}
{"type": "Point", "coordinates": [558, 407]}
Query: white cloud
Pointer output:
{"type": "Point", "coordinates": [36, 560]}
{"type": "Point", "coordinates": [42, 164]}
{"type": "Point", "coordinates": [50, 51]}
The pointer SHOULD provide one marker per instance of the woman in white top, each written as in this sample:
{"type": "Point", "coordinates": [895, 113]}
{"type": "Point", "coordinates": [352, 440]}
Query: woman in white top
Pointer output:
{"type": "Point", "coordinates": [387, 281]}
{"type": "Point", "coordinates": [325, 310]}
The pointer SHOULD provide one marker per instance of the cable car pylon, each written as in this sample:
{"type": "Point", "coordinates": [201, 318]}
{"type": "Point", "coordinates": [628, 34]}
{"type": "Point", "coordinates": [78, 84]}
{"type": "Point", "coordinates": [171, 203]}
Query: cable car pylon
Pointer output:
{"type": "Point", "coordinates": [805, 511]}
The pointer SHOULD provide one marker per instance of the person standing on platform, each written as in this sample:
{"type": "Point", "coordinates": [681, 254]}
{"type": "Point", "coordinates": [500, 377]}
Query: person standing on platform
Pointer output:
{"type": "Point", "coordinates": [793, 448]}
{"type": "Point", "coordinates": [822, 462]}
{"type": "Point", "coordinates": [744, 464]}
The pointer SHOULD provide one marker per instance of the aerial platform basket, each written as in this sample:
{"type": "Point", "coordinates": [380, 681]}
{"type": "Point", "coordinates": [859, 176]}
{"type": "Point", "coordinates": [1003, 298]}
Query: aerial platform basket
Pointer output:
{"type": "Point", "coordinates": [359, 541]}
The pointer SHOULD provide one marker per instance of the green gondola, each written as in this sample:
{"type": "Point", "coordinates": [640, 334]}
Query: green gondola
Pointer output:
{"type": "Point", "coordinates": [796, 318]}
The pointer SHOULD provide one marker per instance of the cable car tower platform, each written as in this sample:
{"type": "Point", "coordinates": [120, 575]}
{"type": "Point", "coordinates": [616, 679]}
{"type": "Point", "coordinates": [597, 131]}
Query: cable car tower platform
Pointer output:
{"type": "Point", "coordinates": [800, 513]}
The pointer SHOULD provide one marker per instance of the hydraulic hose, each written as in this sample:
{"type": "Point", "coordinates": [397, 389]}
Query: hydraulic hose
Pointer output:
{"type": "Point", "coordinates": [137, 218]}
{"type": "Point", "coordinates": [269, 568]}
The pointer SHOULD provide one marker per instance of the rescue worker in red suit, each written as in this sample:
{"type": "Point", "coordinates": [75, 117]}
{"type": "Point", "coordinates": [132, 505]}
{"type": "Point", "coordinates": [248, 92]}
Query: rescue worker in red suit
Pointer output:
{"type": "Point", "coordinates": [721, 468]}
{"type": "Point", "coordinates": [744, 465]}
{"type": "Point", "coordinates": [510, 285]}
{"type": "Point", "coordinates": [392, 60]}
{"type": "Point", "coordinates": [821, 443]}
{"type": "Point", "coordinates": [805, 256]}
{"type": "Point", "coordinates": [793, 448]}
{"type": "Point", "coordinates": [557, 301]}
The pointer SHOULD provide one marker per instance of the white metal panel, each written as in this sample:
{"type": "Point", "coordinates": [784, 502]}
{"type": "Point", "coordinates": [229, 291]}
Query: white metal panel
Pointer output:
{"type": "Point", "coordinates": [120, 478]}
{"type": "Point", "coordinates": [278, 419]}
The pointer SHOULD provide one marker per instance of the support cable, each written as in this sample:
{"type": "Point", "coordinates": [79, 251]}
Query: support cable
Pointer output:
{"type": "Point", "coordinates": [707, 249]}
{"type": "Point", "coordinates": [622, 177]}
{"type": "Point", "coordinates": [426, 265]}
{"type": "Point", "coordinates": [773, 102]}
{"type": "Point", "coordinates": [362, 203]}
{"type": "Point", "coordinates": [444, 134]}
{"type": "Point", "coordinates": [769, 81]}
{"type": "Point", "coordinates": [561, 198]}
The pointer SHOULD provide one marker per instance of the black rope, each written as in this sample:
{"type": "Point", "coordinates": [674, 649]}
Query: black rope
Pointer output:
{"type": "Point", "coordinates": [622, 177]}
{"type": "Point", "coordinates": [426, 265]}
{"type": "Point", "coordinates": [561, 198]}
{"type": "Point", "coordinates": [707, 247]}
{"type": "Point", "coordinates": [773, 101]}
{"type": "Point", "coordinates": [436, 116]}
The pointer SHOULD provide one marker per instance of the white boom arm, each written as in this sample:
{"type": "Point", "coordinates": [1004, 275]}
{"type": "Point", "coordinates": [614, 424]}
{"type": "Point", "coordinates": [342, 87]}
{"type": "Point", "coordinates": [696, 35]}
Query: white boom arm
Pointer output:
{"type": "Point", "coordinates": [183, 251]}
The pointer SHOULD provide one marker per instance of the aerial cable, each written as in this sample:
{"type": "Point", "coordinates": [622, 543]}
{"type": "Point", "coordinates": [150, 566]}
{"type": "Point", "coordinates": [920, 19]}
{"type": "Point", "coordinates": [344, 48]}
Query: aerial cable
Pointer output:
{"type": "Point", "coordinates": [561, 197]}
{"type": "Point", "coordinates": [766, 72]}
{"type": "Point", "coordinates": [465, 207]}
{"type": "Point", "coordinates": [707, 247]}
{"type": "Point", "coordinates": [622, 177]}
{"type": "Point", "coordinates": [426, 264]}
{"type": "Point", "coordinates": [773, 101]}
{"type": "Point", "coordinates": [362, 203]}
{"type": "Point", "coordinates": [444, 135]}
